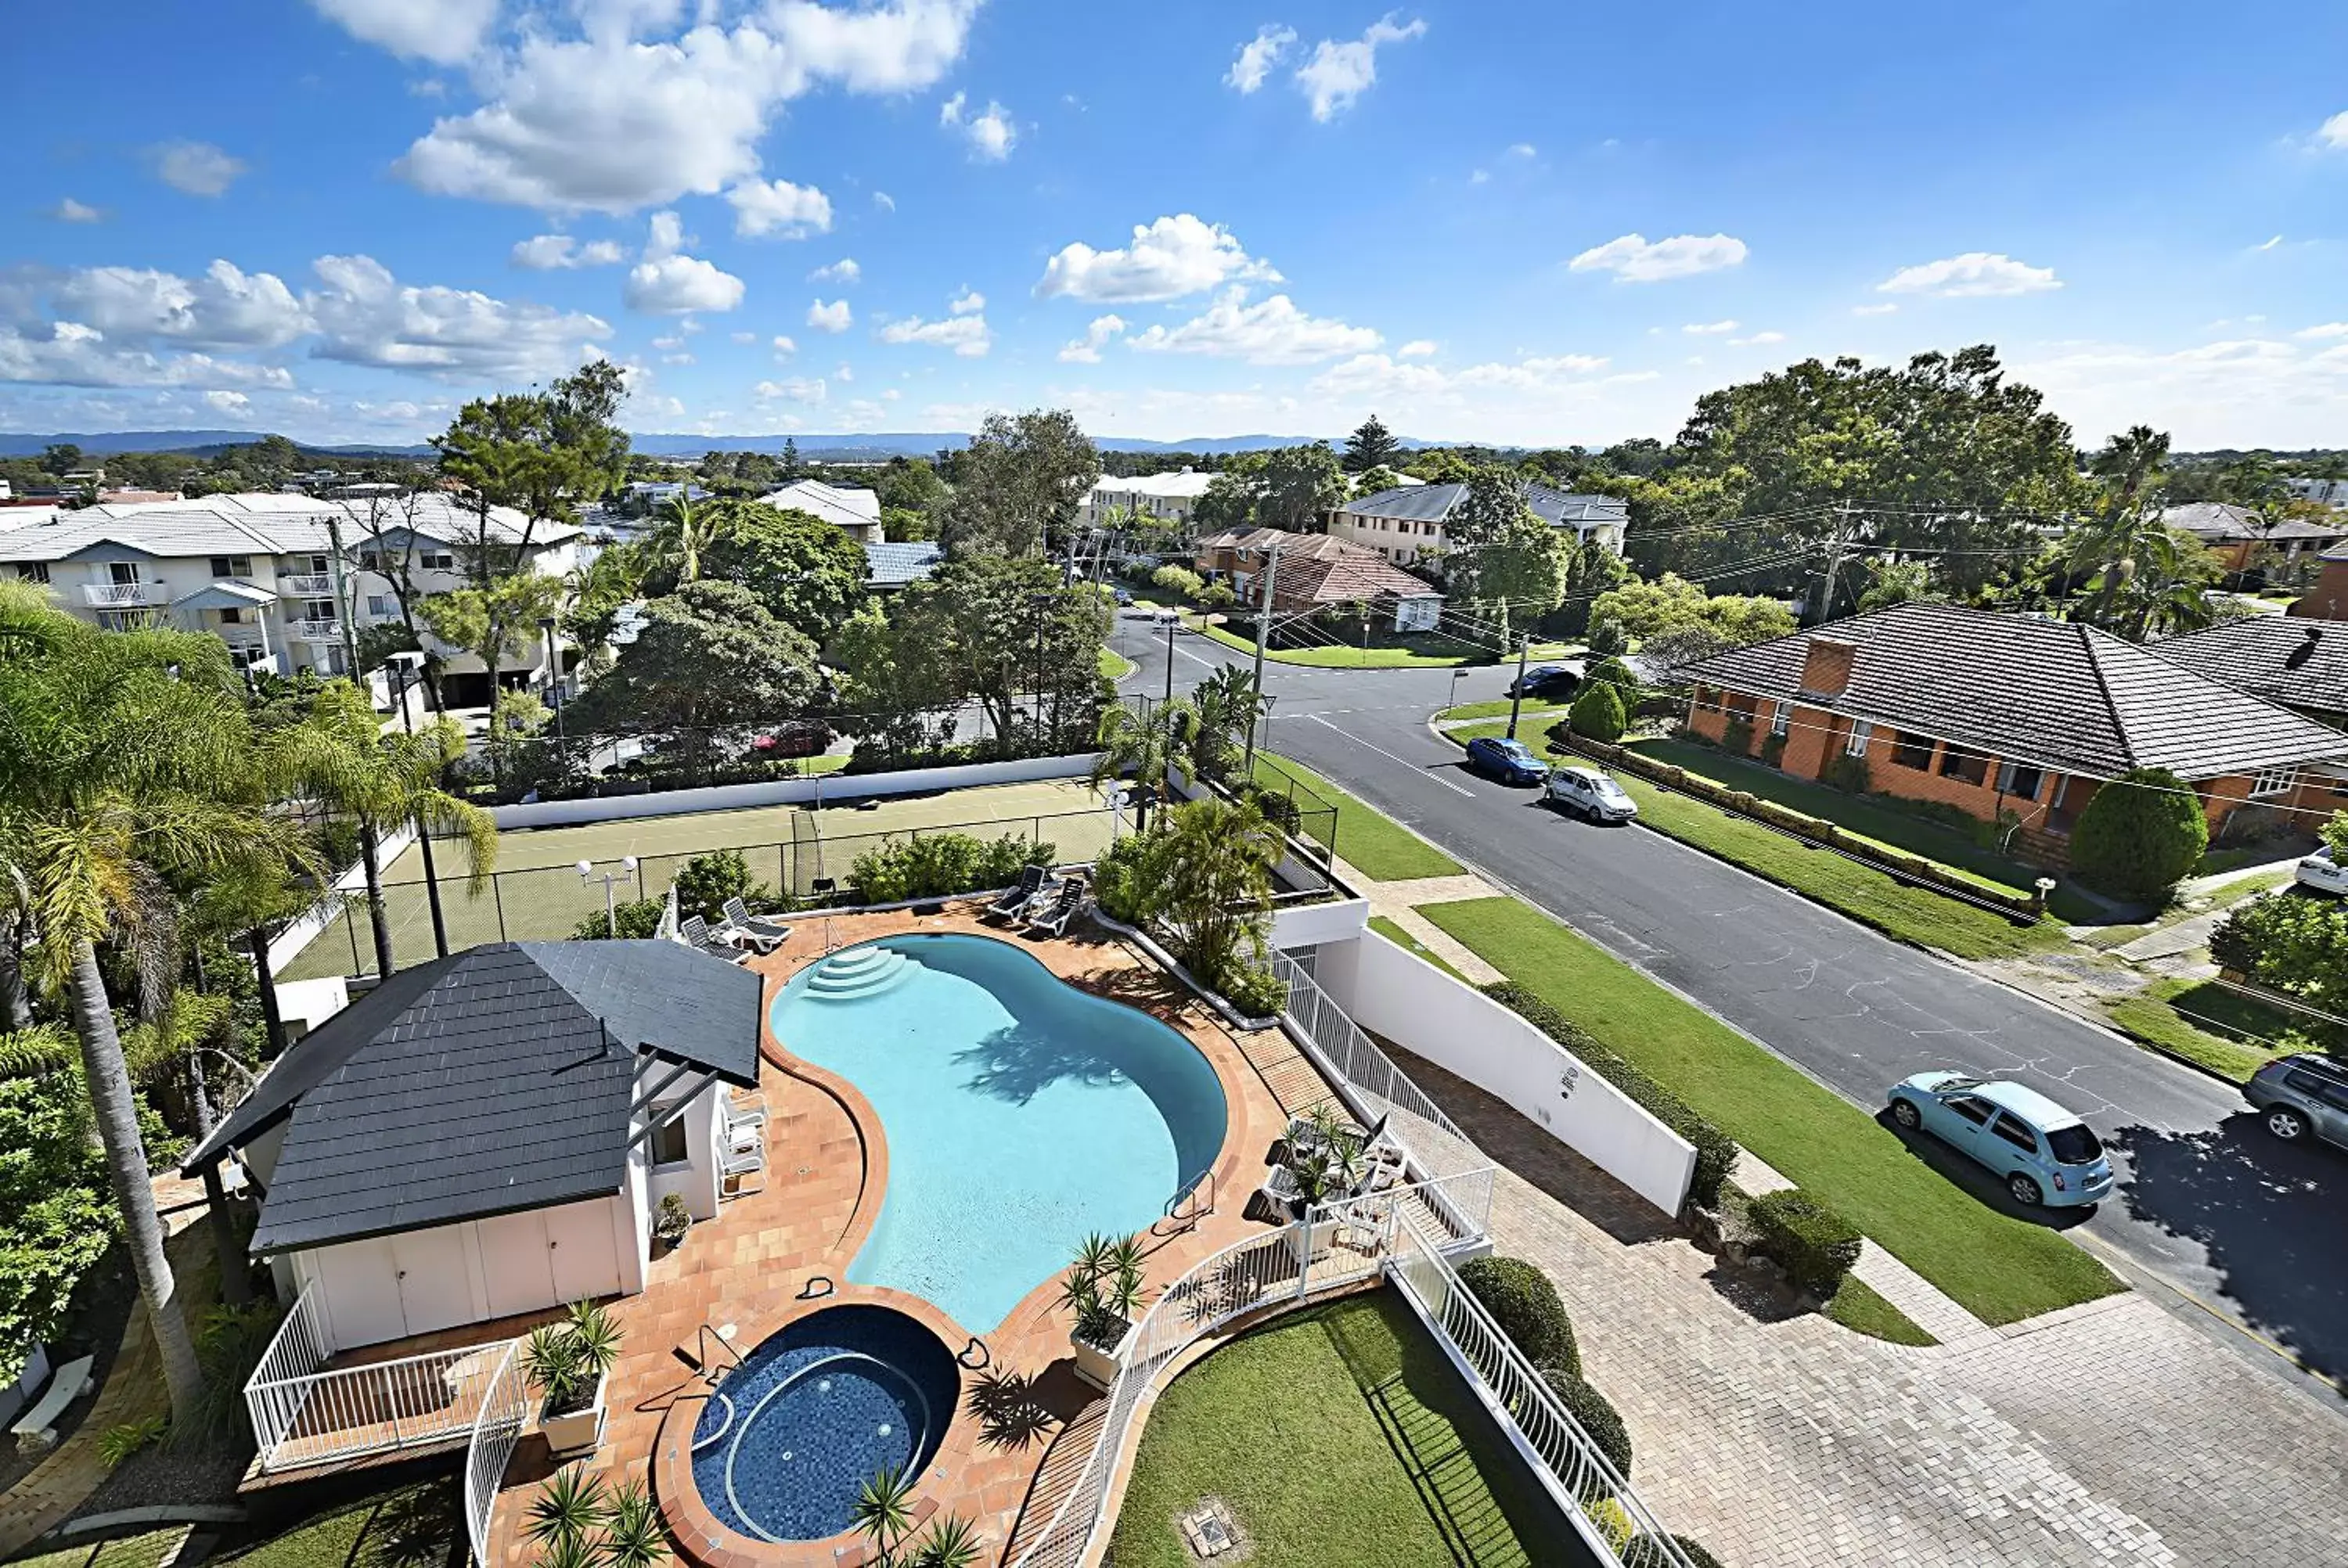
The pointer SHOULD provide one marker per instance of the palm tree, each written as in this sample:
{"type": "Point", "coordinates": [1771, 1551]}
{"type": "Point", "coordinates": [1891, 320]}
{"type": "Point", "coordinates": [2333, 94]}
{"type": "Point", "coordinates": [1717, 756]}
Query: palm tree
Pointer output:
{"type": "Point", "coordinates": [383, 779]}
{"type": "Point", "coordinates": [686, 531]}
{"type": "Point", "coordinates": [1228, 706]}
{"type": "Point", "coordinates": [883, 1512]}
{"type": "Point", "coordinates": [1147, 745]}
{"type": "Point", "coordinates": [123, 756]}
{"type": "Point", "coordinates": [2144, 577]}
{"type": "Point", "coordinates": [2130, 465]}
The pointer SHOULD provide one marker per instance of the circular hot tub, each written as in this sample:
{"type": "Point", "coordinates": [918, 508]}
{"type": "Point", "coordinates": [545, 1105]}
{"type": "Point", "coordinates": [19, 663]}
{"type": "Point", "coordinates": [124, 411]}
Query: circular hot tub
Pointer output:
{"type": "Point", "coordinates": [790, 1437]}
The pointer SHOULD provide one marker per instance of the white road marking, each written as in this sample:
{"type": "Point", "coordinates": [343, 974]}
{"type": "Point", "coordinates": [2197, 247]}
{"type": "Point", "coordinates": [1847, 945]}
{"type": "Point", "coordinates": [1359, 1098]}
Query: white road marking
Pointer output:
{"type": "Point", "coordinates": [1414, 767]}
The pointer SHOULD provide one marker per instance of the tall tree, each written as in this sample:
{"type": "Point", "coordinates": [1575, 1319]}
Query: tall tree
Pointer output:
{"type": "Point", "coordinates": [1019, 483]}
{"type": "Point", "coordinates": [1499, 557]}
{"type": "Point", "coordinates": [1371, 445]}
{"type": "Point", "coordinates": [808, 574]}
{"type": "Point", "coordinates": [2144, 578]}
{"type": "Point", "coordinates": [1299, 484]}
{"type": "Point", "coordinates": [709, 655]}
{"type": "Point", "coordinates": [124, 758]}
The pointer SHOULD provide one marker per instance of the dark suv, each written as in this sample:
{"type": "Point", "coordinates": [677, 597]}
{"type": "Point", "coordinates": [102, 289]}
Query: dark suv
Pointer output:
{"type": "Point", "coordinates": [2300, 1097]}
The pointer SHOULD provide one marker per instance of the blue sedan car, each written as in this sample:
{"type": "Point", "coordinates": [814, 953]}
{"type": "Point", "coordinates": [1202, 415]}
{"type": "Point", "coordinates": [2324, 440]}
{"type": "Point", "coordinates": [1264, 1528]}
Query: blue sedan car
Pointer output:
{"type": "Point", "coordinates": [1507, 760]}
{"type": "Point", "coordinates": [2046, 1155]}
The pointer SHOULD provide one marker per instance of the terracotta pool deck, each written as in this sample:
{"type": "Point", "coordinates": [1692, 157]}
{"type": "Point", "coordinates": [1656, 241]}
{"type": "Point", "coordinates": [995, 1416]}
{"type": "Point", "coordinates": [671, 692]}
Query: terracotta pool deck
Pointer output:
{"type": "Point", "coordinates": [1026, 1422]}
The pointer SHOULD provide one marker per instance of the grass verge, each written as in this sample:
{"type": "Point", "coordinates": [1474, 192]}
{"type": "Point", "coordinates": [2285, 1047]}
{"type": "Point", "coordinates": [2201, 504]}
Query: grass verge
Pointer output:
{"type": "Point", "coordinates": [1897, 909]}
{"type": "Point", "coordinates": [1380, 847]}
{"type": "Point", "coordinates": [395, 1526]}
{"type": "Point", "coordinates": [2218, 1031]}
{"type": "Point", "coordinates": [1414, 946]}
{"type": "Point", "coordinates": [1114, 666]}
{"type": "Point", "coordinates": [2001, 1268]}
{"type": "Point", "coordinates": [1337, 1436]}
{"type": "Point", "coordinates": [1546, 710]}
{"type": "Point", "coordinates": [1862, 1309]}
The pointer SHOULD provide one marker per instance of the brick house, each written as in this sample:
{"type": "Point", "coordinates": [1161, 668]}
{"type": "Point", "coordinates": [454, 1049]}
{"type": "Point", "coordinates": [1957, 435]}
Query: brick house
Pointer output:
{"type": "Point", "coordinates": [1995, 714]}
{"type": "Point", "coordinates": [2328, 599]}
{"type": "Point", "coordinates": [2302, 665]}
{"type": "Point", "coordinates": [1317, 572]}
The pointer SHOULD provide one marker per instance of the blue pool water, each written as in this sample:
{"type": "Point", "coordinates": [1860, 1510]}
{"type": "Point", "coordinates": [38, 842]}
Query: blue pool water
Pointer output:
{"type": "Point", "coordinates": [1021, 1113]}
{"type": "Point", "coordinates": [791, 1436]}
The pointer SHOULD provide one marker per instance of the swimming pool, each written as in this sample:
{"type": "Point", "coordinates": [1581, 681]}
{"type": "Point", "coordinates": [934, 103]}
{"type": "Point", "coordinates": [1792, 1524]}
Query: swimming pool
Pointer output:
{"type": "Point", "coordinates": [1021, 1113]}
{"type": "Point", "coordinates": [789, 1437]}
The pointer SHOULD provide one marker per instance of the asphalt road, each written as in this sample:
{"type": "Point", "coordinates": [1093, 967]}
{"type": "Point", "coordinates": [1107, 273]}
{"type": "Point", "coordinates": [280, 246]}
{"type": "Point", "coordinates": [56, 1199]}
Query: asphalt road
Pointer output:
{"type": "Point", "coordinates": [2235, 1225]}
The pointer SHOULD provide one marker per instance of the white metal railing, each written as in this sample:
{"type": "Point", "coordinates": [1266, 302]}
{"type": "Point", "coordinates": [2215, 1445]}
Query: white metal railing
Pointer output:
{"type": "Point", "coordinates": [497, 1428]}
{"type": "Point", "coordinates": [113, 595]}
{"type": "Point", "coordinates": [304, 1413]}
{"type": "Point", "coordinates": [306, 584]}
{"type": "Point", "coordinates": [1577, 1475]}
{"type": "Point", "coordinates": [314, 630]}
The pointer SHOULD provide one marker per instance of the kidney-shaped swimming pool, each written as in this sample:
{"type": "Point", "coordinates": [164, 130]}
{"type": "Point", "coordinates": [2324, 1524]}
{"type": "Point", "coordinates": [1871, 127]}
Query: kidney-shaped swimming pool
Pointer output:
{"type": "Point", "coordinates": [1021, 1113]}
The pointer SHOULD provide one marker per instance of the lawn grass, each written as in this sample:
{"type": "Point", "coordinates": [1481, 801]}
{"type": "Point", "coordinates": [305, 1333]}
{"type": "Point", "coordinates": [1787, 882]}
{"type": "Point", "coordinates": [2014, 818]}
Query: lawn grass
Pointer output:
{"type": "Point", "coordinates": [1114, 666]}
{"type": "Point", "coordinates": [2216, 1030]}
{"type": "Point", "coordinates": [1413, 946]}
{"type": "Point", "coordinates": [142, 1551]}
{"type": "Point", "coordinates": [1862, 1309]}
{"type": "Point", "coordinates": [407, 1524]}
{"type": "Point", "coordinates": [1899, 910]}
{"type": "Point", "coordinates": [1498, 708]}
{"type": "Point", "coordinates": [2001, 1268]}
{"type": "Point", "coordinates": [1338, 1436]}
{"type": "Point", "coordinates": [1379, 846]}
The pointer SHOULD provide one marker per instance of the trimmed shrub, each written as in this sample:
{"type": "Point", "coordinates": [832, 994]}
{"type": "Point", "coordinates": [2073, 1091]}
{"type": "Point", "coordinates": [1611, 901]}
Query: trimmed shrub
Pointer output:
{"type": "Point", "coordinates": [2294, 944]}
{"type": "Point", "coordinates": [1607, 636]}
{"type": "Point", "coordinates": [1715, 1151]}
{"type": "Point", "coordinates": [1737, 736]}
{"type": "Point", "coordinates": [938, 864]}
{"type": "Point", "coordinates": [1179, 581]}
{"type": "Point", "coordinates": [1597, 1415]}
{"type": "Point", "coordinates": [1615, 673]}
{"type": "Point", "coordinates": [1644, 1554]}
{"type": "Point", "coordinates": [1845, 772]}
{"type": "Point", "coordinates": [1255, 991]}
{"type": "Point", "coordinates": [637, 920]}
{"type": "Point", "coordinates": [1598, 712]}
{"type": "Point", "coordinates": [1117, 879]}
{"type": "Point", "coordinates": [1812, 1243]}
{"type": "Point", "coordinates": [2139, 836]}
{"type": "Point", "coordinates": [1526, 1306]}
{"type": "Point", "coordinates": [1218, 596]}
{"type": "Point", "coordinates": [708, 880]}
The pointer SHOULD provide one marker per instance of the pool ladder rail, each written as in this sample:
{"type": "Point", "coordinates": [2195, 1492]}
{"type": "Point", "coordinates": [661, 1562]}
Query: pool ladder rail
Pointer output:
{"type": "Point", "coordinates": [710, 1369]}
{"type": "Point", "coordinates": [1183, 1211]}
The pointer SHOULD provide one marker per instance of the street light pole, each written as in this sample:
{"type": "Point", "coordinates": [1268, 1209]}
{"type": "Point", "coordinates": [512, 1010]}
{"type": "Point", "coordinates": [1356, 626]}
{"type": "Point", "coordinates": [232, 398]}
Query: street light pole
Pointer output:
{"type": "Point", "coordinates": [1517, 693]}
{"type": "Point", "coordinates": [626, 873]}
{"type": "Point", "coordinates": [398, 664]}
{"type": "Point", "coordinates": [1173, 620]}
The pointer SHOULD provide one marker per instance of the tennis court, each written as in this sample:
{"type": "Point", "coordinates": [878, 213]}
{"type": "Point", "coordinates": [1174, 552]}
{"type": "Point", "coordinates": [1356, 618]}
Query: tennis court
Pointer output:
{"type": "Point", "coordinates": [538, 894]}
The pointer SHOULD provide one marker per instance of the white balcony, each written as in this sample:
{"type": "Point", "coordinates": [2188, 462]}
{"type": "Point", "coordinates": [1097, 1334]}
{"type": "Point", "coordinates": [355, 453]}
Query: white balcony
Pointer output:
{"type": "Point", "coordinates": [306, 584]}
{"type": "Point", "coordinates": [124, 595]}
{"type": "Point", "coordinates": [326, 630]}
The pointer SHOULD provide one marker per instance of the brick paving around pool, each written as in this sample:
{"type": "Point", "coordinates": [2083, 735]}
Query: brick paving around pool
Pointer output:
{"type": "Point", "coordinates": [771, 1254]}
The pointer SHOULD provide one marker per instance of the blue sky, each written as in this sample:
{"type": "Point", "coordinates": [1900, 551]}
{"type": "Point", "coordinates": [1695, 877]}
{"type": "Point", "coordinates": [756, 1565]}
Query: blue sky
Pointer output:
{"type": "Point", "coordinates": [1516, 222]}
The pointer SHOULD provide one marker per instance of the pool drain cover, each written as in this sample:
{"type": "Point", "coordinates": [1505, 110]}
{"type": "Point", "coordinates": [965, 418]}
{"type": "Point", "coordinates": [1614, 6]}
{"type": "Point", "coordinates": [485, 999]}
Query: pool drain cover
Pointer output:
{"type": "Point", "coordinates": [1212, 1534]}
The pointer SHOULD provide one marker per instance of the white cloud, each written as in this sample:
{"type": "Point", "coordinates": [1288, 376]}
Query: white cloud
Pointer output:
{"type": "Point", "coordinates": [223, 308]}
{"type": "Point", "coordinates": [543, 253]}
{"type": "Point", "coordinates": [1885, 309]}
{"type": "Point", "coordinates": [445, 32]}
{"type": "Point", "coordinates": [2241, 392]}
{"type": "Point", "coordinates": [807, 390]}
{"type": "Point", "coordinates": [989, 132]}
{"type": "Point", "coordinates": [1337, 73]}
{"type": "Point", "coordinates": [1758, 340]}
{"type": "Point", "coordinates": [71, 353]}
{"type": "Point", "coordinates": [969, 302]}
{"type": "Point", "coordinates": [1374, 375]}
{"type": "Point", "coordinates": [1258, 56]}
{"type": "Point", "coordinates": [1479, 177]}
{"type": "Point", "coordinates": [745, 337]}
{"type": "Point", "coordinates": [784, 347]}
{"type": "Point", "coordinates": [963, 330]}
{"type": "Point", "coordinates": [1523, 149]}
{"type": "Point", "coordinates": [1708, 329]}
{"type": "Point", "coordinates": [835, 317]}
{"type": "Point", "coordinates": [197, 167]}
{"type": "Point", "coordinates": [68, 211]}
{"type": "Point", "coordinates": [1976, 274]}
{"type": "Point", "coordinates": [844, 271]}
{"type": "Point", "coordinates": [843, 372]}
{"type": "Point", "coordinates": [1417, 348]}
{"type": "Point", "coordinates": [366, 316]}
{"type": "Point", "coordinates": [2333, 132]}
{"type": "Point", "coordinates": [1175, 256]}
{"type": "Point", "coordinates": [674, 340]}
{"type": "Point", "coordinates": [1086, 350]}
{"type": "Point", "coordinates": [884, 200]}
{"type": "Point", "coordinates": [223, 402]}
{"type": "Point", "coordinates": [1270, 332]}
{"type": "Point", "coordinates": [2269, 244]}
{"type": "Point", "coordinates": [777, 207]}
{"type": "Point", "coordinates": [1634, 258]}
{"type": "Point", "coordinates": [609, 125]}
{"type": "Point", "coordinates": [669, 282]}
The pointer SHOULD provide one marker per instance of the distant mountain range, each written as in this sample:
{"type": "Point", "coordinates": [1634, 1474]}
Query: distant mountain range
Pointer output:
{"type": "Point", "coordinates": [838, 448]}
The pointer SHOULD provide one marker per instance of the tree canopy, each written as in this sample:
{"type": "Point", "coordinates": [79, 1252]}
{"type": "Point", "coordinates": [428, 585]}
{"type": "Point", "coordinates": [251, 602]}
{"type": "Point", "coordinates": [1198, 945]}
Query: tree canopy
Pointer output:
{"type": "Point", "coordinates": [710, 654]}
{"type": "Point", "coordinates": [1018, 484]}
{"type": "Point", "coordinates": [1644, 609]}
{"type": "Point", "coordinates": [807, 574]}
{"type": "Point", "coordinates": [1500, 557]}
{"type": "Point", "coordinates": [1371, 445]}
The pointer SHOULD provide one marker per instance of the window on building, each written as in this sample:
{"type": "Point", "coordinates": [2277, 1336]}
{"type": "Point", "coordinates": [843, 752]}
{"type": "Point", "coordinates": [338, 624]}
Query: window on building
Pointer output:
{"type": "Point", "coordinates": [33, 571]}
{"type": "Point", "coordinates": [1910, 749]}
{"type": "Point", "coordinates": [2020, 780]}
{"type": "Point", "coordinates": [232, 616]}
{"type": "Point", "coordinates": [1957, 762]}
{"type": "Point", "coordinates": [437, 560]}
{"type": "Point", "coordinates": [2269, 782]}
{"type": "Point", "coordinates": [379, 606]}
{"type": "Point", "coordinates": [232, 566]}
{"type": "Point", "coordinates": [1781, 717]}
{"type": "Point", "coordinates": [1855, 743]}
{"type": "Point", "coordinates": [669, 1146]}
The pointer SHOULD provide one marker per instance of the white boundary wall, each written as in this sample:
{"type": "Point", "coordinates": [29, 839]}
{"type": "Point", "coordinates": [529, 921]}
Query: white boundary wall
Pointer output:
{"type": "Point", "coordinates": [1394, 993]}
{"type": "Point", "coordinates": [841, 787]}
{"type": "Point", "coordinates": [287, 945]}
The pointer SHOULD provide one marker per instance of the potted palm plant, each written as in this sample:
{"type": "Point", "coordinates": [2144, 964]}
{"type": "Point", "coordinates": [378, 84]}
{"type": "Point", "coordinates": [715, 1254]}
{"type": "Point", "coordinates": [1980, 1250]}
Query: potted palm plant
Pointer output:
{"type": "Point", "coordinates": [1102, 1291]}
{"type": "Point", "coordinates": [567, 1362]}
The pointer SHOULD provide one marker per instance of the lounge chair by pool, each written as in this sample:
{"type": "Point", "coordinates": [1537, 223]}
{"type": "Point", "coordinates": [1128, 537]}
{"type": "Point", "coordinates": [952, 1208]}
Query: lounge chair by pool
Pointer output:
{"type": "Point", "coordinates": [1053, 918]}
{"type": "Point", "coordinates": [742, 926]}
{"type": "Point", "coordinates": [1033, 879]}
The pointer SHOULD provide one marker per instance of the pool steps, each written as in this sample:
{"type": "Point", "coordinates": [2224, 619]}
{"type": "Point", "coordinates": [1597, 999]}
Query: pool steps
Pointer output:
{"type": "Point", "coordinates": [857, 973]}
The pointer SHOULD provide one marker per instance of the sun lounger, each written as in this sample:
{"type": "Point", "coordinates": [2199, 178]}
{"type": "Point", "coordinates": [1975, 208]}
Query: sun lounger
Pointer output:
{"type": "Point", "coordinates": [1032, 880]}
{"type": "Point", "coordinates": [71, 1383]}
{"type": "Point", "coordinates": [1053, 919]}
{"type": "Point", "coordinates": [744, 929]}
{"type": "Point", "coordinates": [696, 933]}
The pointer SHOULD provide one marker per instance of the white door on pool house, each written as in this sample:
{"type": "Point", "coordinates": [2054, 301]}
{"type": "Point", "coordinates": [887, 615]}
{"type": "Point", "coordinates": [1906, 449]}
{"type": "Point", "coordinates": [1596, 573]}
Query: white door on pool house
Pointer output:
{"type": "Point", "coordinates": [580, 1246]}
{"type": "Point", "coordinates": [433, 1289]}
{"type": "Point", "coordinates": [515, 1266]}
{"type": "Point", "coordinates": [359, 1282]}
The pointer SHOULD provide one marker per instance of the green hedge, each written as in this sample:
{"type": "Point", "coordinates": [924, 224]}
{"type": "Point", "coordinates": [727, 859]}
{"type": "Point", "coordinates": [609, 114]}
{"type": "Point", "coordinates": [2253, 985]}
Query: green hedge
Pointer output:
{"type": "Point", "coordinates": [1811, 1242]}
{"type": "Point", "coordinates": [1526, 1306]}
{"type": "Point", "coordinates": [1597, 1415]}
{"type": "Point", "coordinates": [1644, 1552]}
{"type": "Point", "coordinates": [1715, 1151]}
{"type": "Point", "coordinates": [937, 865]}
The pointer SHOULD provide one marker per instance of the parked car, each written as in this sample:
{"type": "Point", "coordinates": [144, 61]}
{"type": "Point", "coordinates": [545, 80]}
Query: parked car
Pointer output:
{"type": "Point", "coordinates": [1124, 596]}
{"type": "Point", "coordinates": [1591, 794]}
{"type": "Point", "coordinates": [2301, 1096]}
{"type": "Point", "coordinates": [1507, 760]}
{"type": "Point", "coordinates": [2045, 1155]}
{"type": "Point", "coordinates": [2322, 872]}
{"type": "Point", "coordinates": [1546, 680]}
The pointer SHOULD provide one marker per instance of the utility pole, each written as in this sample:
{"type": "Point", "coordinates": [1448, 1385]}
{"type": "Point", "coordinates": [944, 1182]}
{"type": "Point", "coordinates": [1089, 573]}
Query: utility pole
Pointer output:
{"type": "Point", "coordinates": [1834, 558]}
{"type": "Point", "coordinates": [1173, 623]}
{"type": "Point", "coordinates": [1517, 693]}
{"type": "Point", "coordinates": [398, 664]}
{"type": "Point", "coordinates": [1262, 635]}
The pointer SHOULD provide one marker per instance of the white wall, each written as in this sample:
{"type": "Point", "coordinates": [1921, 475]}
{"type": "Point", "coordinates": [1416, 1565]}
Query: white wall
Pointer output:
{"type": "Point", "coordinates": [696, 1181]}
{"type": "Point", "coordinates": [289, 942]}
{"type": "Point", "coordinates": [1390, 992]}
{"type": "Point", "coordinates": [787, 792]}
{"type": "Point", "coordinates": [1312, 925]}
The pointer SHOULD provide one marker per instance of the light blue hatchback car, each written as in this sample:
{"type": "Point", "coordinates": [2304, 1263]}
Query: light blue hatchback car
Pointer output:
{"type": "Point", "coordinates": [2046, 1155]}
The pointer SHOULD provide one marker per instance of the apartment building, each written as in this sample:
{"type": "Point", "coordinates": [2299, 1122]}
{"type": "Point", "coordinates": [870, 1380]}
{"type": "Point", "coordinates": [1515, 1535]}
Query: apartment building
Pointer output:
{"type": "Point", "coordinates": [1170, 497]}
{"type": "Point", "coordinates": [260, 572]}
{"type": "Point", "coordinates": [1404, 524]}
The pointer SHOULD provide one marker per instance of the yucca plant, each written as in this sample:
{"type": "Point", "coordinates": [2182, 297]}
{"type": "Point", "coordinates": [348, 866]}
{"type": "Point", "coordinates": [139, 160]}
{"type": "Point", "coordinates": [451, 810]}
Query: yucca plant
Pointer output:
{"type": "Point", "coordinates": [568, 1508]}
{"type": "Point", "coordinates": [550, 1361]}
{"type": "Point", "coordinates": [952, 1542]}
{"type": "Point", "coordinates": [570, 1552]}
{"type": "Point", "coordinates": [632, 1535]}
{"type": "Point", "coordinates": [597, 1335]}
{"type": "Point", "coordinates": [884, 1513]}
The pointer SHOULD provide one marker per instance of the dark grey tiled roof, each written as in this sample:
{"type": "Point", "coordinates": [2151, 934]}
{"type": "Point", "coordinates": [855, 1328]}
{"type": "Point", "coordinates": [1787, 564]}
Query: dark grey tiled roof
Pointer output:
{"type": "Point", "coordinates": [2047, 692]}
{"type": "Point", "coordinates": [494, 1079]}
{"type": "Point", "coordinates": [1434, 503]}
{"type": "Point", "coordinates": [895, 564]}
{"type": "Point", "coordinates": [2301, 664]}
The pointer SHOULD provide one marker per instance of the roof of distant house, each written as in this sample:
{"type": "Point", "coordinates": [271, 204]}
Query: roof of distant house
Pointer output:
{"type": "Point", "coordinates": [2222, 522]}
{"type": "Point", "coordinates": [2055, 693]}
{"type": "Point", "coordinates": [1315, 568]}
{"type": "Point", "coordinates": [1182, 484]}
{"type": "Point", "coordinates": [494, 1079]}
{"type": "Point", "coordinates": [895, 564]}
{"type": "Point", "coordinates": [2298, 663]}
{"type": "Point", "coordinates": [1435, 503]}
{"type": "Point", "coordinates": [842, 508]}
{"type": "Point", "coordinates": [262, 523]}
